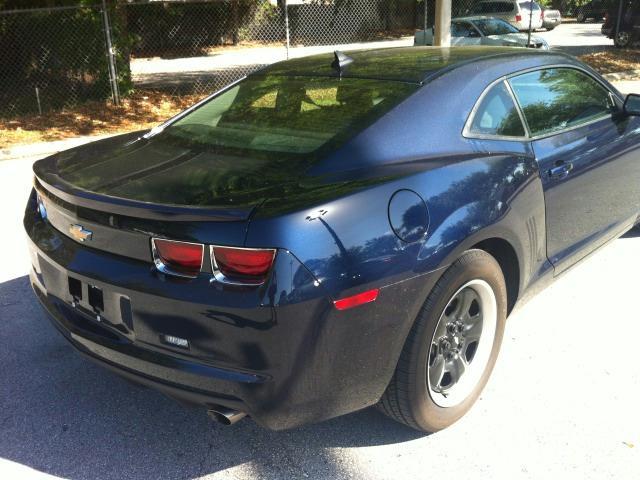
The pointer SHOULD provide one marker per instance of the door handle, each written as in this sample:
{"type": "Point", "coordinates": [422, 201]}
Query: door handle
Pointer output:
{"type": "Point", "coordinates": [561, 170]}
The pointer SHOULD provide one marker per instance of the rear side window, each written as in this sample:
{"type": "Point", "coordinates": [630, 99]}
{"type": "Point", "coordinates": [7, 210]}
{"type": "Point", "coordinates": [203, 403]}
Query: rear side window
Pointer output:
{"type": "Point", "coordinates": [288, 115]}
{"type": "Point", "coordinates": [497, 115]}
{"type": "Point", "coordinates": [559, 98]}
{"type": "Point", "coordinates": [462, 29]}
{"type": "Point", "coordinates": [494, 26]}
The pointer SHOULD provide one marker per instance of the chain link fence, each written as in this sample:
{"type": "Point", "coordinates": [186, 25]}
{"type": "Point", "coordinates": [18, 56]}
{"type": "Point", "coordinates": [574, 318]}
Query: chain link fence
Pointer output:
{"type": "Point", "coordinates": [53, 58]}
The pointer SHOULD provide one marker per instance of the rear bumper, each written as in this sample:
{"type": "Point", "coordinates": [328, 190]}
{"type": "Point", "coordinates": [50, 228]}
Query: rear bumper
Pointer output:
{"type": "Point", "coordinates": [283, 355]}
{"type": "Point", "coordinates": [174, 377]}
{"type": "Point", "coordinates": [551, 22]}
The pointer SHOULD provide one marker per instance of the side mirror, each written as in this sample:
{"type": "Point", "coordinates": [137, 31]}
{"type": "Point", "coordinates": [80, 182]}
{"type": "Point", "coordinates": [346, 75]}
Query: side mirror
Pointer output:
{"type": "Point", "coordinates": [632, 105]}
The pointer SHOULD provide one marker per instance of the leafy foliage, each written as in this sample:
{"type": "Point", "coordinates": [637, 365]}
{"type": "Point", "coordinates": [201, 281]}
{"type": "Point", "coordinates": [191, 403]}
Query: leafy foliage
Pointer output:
{"type": "Point", "coordinates": [61, 53]}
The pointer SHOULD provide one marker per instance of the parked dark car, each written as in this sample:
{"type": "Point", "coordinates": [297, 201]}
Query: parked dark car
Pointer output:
{"type": "Point", "coordinates": [329, 234]}
{"type": "Point", "coordinates": [628, 33]}
{"type": "Point", "coordinates": [594, 10]}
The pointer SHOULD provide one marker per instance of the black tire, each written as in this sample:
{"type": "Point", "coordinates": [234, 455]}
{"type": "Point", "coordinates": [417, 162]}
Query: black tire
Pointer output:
{"type": "Point", "coordinates": [407, 398]}
{"type": "Point", "coordinates": [622, 40]}
{"type": "Point", "coordinates": [581, 18]}
{"type": "Point", "coordinates": [550, 28]}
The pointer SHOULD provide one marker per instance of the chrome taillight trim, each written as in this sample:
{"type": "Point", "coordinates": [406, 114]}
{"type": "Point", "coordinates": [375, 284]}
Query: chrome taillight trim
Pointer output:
{"type": "Point", "coordinates": [163, 268]}
{"type": "Point", "coordinates": [218, 276]}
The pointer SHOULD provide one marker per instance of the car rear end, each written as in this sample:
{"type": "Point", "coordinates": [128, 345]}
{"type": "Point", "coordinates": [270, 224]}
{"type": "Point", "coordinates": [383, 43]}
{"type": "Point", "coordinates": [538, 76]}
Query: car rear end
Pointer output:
{"type": "Point", "coordinates": [149, 307]}
{"type": "Point", "coordinates": [551, 19]}
{"type": "Point", "coordinates": [529, 15]}
{"type": "Point", "coordinates": [516, 13]}
{"type": "Point", "coordinates": [139, 254]}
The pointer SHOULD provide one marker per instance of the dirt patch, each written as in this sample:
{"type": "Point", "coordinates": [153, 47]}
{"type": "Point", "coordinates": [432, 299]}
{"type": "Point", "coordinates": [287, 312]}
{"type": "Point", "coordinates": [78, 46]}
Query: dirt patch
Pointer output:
{"type": "Point", "coordinates": [613, 61]}
{"type": "Point", "coordinates": [141, 110]}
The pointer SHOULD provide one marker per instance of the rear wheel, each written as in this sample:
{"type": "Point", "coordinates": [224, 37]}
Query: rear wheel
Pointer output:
{"type": "Point", "coordinates": [622, 39]}
{"type": "Point", "coordinates": [580, 18]}
{"type": "Point", "coordinates": [452, 348]}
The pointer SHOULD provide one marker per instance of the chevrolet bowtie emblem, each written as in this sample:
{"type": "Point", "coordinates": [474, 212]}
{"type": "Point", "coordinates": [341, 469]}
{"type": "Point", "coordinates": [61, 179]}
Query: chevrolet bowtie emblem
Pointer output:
{"type": "Point", "coordinates": [80, 233]}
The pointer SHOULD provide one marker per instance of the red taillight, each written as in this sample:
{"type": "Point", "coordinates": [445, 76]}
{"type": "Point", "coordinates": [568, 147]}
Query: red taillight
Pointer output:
{"type": "Point", "coordinates": [177, 258]}
{"type": "Point", "coordinates": [355, 300]}
{"type": "Point", "coordinates": [518, 18]}
{"type": "Point", "coordinates": [242, 265]}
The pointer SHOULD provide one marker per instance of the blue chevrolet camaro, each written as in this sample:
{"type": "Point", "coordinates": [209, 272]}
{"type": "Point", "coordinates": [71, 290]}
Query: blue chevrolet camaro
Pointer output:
{"type": "Point", "coordinates": [337, 231]}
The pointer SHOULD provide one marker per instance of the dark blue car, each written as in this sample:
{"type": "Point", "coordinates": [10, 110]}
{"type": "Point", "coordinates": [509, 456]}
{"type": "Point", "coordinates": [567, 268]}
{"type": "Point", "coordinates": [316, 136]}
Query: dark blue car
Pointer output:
{"type": "Point", "coordinates": [335, 232]}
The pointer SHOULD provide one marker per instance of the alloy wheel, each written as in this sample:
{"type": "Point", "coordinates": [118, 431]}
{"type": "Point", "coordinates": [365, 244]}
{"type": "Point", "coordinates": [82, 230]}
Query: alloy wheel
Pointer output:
{"type": "Point", "coordinates": [623, 39]}
{"type": "Point", "coordinates": [462, 343]}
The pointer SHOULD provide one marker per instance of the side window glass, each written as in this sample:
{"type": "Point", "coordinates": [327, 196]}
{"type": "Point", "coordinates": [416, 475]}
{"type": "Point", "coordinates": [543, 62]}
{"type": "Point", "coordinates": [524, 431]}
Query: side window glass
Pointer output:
{"type": "Point", "coordinates": [497, 114]}
{"type": "Point", "coordinates": [559, 98]}
{"type": "Point", "coordinates": [459, 29]}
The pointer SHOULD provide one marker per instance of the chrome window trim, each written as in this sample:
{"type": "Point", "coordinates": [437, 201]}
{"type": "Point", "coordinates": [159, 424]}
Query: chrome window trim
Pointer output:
{"type": "Point", "coordinates": [163, 268]}
{"type": "Point", "coordinates": [466, 132]}
{"type": "Point", "coordinates": [218, 276]}
{"type": "Point", "coordinates": [523, 119]}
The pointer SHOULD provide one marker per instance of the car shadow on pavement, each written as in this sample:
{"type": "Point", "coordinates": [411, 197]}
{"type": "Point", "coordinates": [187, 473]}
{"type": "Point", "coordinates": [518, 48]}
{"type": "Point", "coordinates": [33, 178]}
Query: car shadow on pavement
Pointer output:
{"type": "Point", "coordinates": [633, 233]}
{"type": "Point", "coordinates": [62, 415]}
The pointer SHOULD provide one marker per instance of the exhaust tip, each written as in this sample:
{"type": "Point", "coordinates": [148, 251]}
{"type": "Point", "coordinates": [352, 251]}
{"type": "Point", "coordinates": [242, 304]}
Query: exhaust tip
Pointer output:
{"type": "Point", "coordinates": [225, 416]}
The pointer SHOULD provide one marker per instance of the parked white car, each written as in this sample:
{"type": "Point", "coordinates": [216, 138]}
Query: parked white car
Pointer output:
{"type": "Point", "coordinates": [551, 19]}
{"type": "Point", "coordinates": [483, 31]}
{"type": "Point", "coordinates": [516, 12]}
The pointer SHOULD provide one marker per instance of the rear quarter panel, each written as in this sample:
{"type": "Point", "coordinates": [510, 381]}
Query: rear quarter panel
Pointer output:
{"type": "Point", "coordinates": [473, 189]}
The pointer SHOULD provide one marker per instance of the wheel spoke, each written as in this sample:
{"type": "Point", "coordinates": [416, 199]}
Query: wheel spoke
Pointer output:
{"type": "Point", "coordinates": [473, 329]}
{"type": "Point", "coordinates": [456, 369]}
{"type": "Point", "coordinates": [436, 372]}
{"type": "Point", "coordinates": [466, 297]}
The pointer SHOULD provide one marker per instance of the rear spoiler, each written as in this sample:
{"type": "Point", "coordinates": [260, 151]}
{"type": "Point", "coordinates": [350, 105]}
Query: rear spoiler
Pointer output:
{"type": "Point", "coordinates": [57, 190]}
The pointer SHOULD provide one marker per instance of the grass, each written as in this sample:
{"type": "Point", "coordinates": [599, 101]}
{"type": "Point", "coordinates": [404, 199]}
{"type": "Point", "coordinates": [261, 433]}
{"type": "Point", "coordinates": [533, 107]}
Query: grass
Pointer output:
{"type": "Point", "coordinates": [145, 109]}
{"type": "Point", "coordinates": [613, 61]}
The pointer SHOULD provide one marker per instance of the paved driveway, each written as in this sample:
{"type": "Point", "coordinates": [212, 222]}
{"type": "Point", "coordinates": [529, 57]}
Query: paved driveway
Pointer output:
{"type": "Point", "coordinates": [577, 38]}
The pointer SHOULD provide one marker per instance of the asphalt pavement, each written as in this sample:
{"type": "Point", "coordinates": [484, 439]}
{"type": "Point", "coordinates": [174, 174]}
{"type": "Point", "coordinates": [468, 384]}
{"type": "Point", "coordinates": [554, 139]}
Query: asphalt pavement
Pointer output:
{"type": "Point", "coordinates": [563, 401]}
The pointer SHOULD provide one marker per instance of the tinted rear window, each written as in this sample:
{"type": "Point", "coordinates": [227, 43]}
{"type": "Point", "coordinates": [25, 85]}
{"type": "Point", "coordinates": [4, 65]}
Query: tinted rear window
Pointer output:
{"type": "Point", "coordinates": [288, 115]}
{"type": "Point", "coordinates": [527, 6]}
{"type": "Point", "coordinates": [493, 7]}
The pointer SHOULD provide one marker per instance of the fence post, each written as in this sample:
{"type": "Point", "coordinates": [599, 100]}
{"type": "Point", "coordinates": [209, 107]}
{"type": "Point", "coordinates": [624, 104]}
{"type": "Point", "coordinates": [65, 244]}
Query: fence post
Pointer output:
{"type": "Point", "coordinates": [286, 25]}
{"type": "Point", "coordinates": [111, 62]}
{"type": "Point", "coordinates": [618, 20]}
{"type": "Point", "coordinates": [425, 19]}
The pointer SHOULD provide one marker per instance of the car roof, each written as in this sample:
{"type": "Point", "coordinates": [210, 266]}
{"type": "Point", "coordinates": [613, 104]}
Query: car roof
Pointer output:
{"type": "Point", "coordinates": [471, 18]}
{"type": "Point", "coordinates": [405, 64]}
